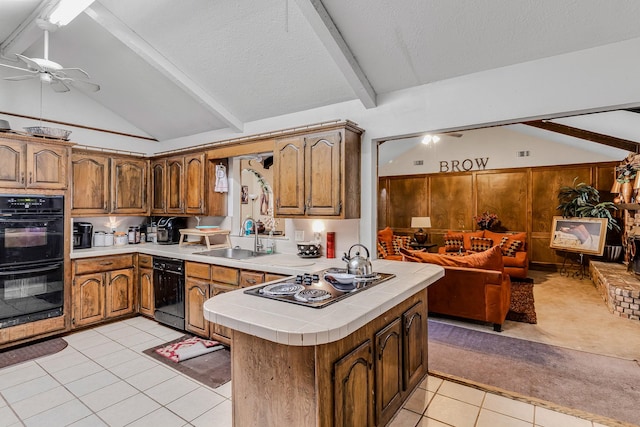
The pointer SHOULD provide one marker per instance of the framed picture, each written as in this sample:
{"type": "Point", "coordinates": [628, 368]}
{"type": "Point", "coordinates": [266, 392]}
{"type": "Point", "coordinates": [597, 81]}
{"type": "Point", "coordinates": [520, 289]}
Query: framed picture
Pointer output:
{"type": "Point", "coordinates": [583, 235]}
{"type": "Point", "coordinates": [244, 194]}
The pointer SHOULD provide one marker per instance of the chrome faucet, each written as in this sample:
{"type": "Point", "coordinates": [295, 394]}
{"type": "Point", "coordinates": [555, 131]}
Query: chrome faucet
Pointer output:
{"type": "Point", "coordinates": [257, 244]}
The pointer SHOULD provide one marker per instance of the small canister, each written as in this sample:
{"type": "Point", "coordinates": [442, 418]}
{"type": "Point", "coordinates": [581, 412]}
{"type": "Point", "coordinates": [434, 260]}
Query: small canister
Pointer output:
{"type": "Point", "coordinates": [120, 238]}
{"type": "Point", "coordinates": [132, 235]}
{"type": "Point", "coordinates": [98, 238]}
{"type": "Point", "coordinates": [108, 239]}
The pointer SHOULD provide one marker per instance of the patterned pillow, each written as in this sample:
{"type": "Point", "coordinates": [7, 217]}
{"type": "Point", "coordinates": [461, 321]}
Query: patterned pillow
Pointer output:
{"type": "Point", "coordinates": [382, 250]}
{"type": "Point", "coordinates": [480, 244]}
{"type": "Point", "coordinates": [453, 242]}
{"type": "Point", "coordinates": [509, 247]}
{"type": "Point", "coordinates": [400, 242]}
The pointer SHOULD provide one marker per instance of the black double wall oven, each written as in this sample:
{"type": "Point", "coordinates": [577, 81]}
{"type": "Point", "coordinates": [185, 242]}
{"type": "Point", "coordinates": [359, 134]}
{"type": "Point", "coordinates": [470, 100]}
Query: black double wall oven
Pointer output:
{"type": "Point", "coordinates": [31, 258]}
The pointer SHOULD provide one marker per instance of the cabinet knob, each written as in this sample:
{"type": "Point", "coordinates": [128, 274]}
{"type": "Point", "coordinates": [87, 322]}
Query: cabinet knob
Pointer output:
{"type": "Point", "coordinates": [22, 177]}
{"type": "Point", "coordinates": [30, 177]}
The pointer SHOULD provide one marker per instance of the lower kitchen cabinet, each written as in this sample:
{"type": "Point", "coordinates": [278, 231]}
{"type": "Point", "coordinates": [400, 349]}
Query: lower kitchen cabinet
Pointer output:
{"type": "Point", "coordinates": [102, 289]}
{"type": "Point", "coordinates": [197, 292]}
{"type": "Point", "coordinates": [145, 285]}
{"type": "Point", "coordinates": [375, 378]}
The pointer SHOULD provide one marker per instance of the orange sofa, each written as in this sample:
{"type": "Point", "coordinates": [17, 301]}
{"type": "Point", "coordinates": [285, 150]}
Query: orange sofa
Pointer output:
{"type": "Point", "coordinates": [512, 245]}
{"type": "Point", "coordinates": [389, 244]}
{"type": "Point", "coordinates": [473, 287]}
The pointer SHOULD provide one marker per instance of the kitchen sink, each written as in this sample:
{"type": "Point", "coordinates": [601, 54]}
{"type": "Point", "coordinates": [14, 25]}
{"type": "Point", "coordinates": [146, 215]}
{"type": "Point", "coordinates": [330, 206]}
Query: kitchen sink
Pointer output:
{"type": "Point", "coordinates": [232, 253]}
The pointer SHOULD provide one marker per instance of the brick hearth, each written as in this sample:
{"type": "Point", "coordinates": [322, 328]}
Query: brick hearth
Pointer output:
{"type": "Point", "coordinates": [619, 288]}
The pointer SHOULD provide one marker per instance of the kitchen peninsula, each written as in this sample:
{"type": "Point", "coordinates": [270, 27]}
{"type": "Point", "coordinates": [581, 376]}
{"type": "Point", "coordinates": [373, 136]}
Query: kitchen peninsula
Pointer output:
{"type": "Point", "coordinates": [350, 363]}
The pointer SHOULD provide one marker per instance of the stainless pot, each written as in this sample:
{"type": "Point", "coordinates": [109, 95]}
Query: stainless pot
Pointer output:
{"type": "Point", "coordinates": [356, 264]}
{"type": "Point", "coordinates": [4, 125]}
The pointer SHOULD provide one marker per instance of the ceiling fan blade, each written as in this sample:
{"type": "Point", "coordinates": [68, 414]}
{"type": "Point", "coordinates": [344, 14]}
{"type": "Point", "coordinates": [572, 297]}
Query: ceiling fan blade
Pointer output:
{"type": "Point", "coordinates": [59, 86]}
{"type": "Point", "coordinates": [73, 73]}
{"type": "Point", "coordinates": [33, 65]}
{"type": "Point", "coordinates": [18, 68]}
{"type": "Point", "coordinates": [82, 85]}
{"type": "Point", "coordinates": [23, 77]}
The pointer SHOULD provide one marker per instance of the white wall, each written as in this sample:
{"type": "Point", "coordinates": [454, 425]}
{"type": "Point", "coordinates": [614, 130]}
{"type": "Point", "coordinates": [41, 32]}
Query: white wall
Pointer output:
{"type": "Point", "coordinates": [588, 80]}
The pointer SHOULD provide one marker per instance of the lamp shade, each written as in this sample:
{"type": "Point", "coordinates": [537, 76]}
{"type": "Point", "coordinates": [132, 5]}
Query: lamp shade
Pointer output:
{"type": "Point", "coordinates": [420, 222]}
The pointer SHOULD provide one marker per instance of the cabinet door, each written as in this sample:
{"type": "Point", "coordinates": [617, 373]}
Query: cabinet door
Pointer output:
{"type": "Point", "coordinates": [288, 176]}
{"type": "Point", "coordinates": [12, 164]}
{"type": "Point", "coordinates": [158, 195]}
{"type": "Point", "coordinates": [129, 186]}
{"type": "Point", "coordinates": [197, 292]}
{"type": "Point", "coordinates": [353, 388]}
{"type": "Point", "coordinates": [268, 277]}
{"type": "Point", "coordinates": [194, 184]}
{"type": "Point", "coordinates": [88, 299]}
{"type": "Point", "coordinates": [414, 324]}
{"type": "Point", "coordinates": [250, 278]}
{"type": "Point", "coordinates": [323, 176]}
{"type": "Point", "coordinates": [388, 371]}
{"type": "Point", "coordinates": [175, 185]}
{"type": "Point", "coordinates": [146, 292]}
{"type": "Point", "coordinates": [46, 166]}
{"type": "Point", "coordinates": [119, 292]}
{"type": "Point", "coordinates": [89, 184]}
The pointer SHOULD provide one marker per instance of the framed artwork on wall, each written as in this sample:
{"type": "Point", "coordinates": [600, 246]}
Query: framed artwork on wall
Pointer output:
{"type": "Point", "coordinates": [582, 235]}
{"type": "Point", "coordinates": [244, 194]}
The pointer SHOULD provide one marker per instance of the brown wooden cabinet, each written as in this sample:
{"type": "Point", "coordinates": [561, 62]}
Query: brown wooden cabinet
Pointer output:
{"type": "Point", "coordinates": [414, 347]}
{"type": "Point", "coordinates": [146, 304]}
{"type": "Point", "coordinates": [318, 174]}
{"type": "Point", "coordinates": [102, 288]}
{"type": "Point", "coordinates": [196, 293]}
{"type": "Point", "coordinates": [104, 184]}
{"type": "Point", "coordinates": [178, 185]}
{"type": "Point", "coordinates": [388, 390]}
{"type": "Point", "coordinates": [354, 400]}
{"type": "Point", "coordinates": [194, 192]}
{"type": "Point", "coordinates": [33, 165]}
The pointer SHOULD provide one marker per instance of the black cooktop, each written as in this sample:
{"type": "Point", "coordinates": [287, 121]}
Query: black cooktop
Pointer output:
{"type": "Point", "coordinates": [317, 290]}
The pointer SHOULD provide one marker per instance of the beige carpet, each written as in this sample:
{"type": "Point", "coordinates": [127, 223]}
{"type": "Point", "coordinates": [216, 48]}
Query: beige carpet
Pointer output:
{"type": "Point", "coordinates": [572, 314]}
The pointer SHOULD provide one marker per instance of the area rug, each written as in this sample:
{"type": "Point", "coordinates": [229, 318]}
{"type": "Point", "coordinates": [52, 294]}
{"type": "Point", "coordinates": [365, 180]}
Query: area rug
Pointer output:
{"type": "Point", "coordinates": [596, 384]}
{"type": "Point", "coordinates": [188, 348]}
{"type": "Point", "coordinates": [522, 307]}
{"type": "Point", "coordinates": [31, 351]}
{"type": "Point", "coordinates": [211, 369]}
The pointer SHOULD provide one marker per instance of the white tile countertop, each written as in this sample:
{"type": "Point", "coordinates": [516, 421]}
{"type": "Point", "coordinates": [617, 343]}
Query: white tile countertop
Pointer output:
{"type": "Point", "coordinates": [293, 324]}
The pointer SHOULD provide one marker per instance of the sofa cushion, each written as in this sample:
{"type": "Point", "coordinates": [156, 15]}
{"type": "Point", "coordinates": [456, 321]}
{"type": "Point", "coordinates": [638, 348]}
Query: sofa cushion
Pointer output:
{"type": "Point", "coordinates": [386, 236]}
{"type": "Point", "coordinates": [509, 247]}
{"type": "Point", "coordinates": [497, 238]}
{"type": "Point", "coordinates": [382, 250]}
{"type": "Point", "coordinates": [466, 236]}
{"type": "Point", "coordinates": [488, 260]}
{"type": "Point", "coordinates": [480, 244]}
{"type": "Point", "coordinates": [400, 242]}
{"type": "Point", "coordinates": [453, 242]}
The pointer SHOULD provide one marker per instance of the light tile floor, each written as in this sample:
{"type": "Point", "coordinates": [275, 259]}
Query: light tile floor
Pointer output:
{"type": "Point", "coordinates": [103, 379]}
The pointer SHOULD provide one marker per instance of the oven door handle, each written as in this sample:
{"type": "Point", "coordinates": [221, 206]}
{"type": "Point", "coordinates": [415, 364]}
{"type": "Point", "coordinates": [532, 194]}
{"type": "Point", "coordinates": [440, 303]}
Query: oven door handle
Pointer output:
{"type": "Point", "coordinates": [31, 270]}
{"type": "Point", "coordinates": [36, 220]}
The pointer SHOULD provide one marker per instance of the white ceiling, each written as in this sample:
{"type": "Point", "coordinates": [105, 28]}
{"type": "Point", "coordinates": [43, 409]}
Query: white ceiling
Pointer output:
{"type": "Point", "coordinates": [178, 68]}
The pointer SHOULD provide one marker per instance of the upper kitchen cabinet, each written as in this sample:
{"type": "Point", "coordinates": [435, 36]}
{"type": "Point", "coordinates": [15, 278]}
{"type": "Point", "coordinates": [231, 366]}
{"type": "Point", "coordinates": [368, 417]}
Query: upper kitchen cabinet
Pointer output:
{"type": "Point", "coordinates": [178, 184]}
{"type": "Point", "coordinates": [25, 163]}
{"type": "Point", "coordinates": [318, 175]}
{"type": "Point", "coordinates": [104, 184]}
{"type": "Point", "coordinates": [129, 185]}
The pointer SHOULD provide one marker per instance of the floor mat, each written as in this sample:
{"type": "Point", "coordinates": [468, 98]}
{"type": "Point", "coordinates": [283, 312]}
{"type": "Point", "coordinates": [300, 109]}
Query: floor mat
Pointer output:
{"type": "Point", "coordinates": [211, 369]}
{"type": "Point", "coordinates": [601, 385]}
{"type": "Point", "coordinates": [31, 351]}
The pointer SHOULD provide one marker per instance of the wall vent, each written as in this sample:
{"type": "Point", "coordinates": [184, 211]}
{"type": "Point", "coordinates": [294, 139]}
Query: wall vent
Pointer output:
{"type": "Point", "coordinates": [523, 153]}
{"type": "Point", "coordinates": [418, 162]}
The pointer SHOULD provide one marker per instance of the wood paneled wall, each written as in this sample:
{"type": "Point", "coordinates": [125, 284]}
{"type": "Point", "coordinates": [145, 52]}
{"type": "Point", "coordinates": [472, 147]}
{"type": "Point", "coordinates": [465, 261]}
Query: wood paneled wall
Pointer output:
{"type": "Point", "coordinates": [525, 199]}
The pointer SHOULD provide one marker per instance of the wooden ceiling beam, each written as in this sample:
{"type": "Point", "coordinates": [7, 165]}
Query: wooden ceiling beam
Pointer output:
{"type": "Point", "coordinates": [611, 141]}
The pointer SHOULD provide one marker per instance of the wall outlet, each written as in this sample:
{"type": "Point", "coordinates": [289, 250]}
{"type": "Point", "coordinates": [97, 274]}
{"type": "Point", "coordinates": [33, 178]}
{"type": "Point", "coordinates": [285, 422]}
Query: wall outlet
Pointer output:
{"type": "Point", "coordinates": [299, 235]}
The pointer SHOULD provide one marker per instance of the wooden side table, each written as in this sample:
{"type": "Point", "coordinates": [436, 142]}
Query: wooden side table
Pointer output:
{"type": "Point", "coordinates": [205, 234]}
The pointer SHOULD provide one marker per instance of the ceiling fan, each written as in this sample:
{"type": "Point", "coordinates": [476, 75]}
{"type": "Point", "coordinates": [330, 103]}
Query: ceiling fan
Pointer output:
{"type": "Point", "coordinates": [59, 78]}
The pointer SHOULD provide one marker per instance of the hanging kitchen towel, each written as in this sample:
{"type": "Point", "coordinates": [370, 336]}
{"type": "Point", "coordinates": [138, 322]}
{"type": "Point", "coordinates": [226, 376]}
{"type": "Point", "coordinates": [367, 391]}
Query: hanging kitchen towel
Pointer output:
{"type": "Point", "coordinates": [221, 179]}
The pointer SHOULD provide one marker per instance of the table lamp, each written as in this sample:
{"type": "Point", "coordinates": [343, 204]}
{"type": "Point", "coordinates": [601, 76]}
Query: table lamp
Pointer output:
{"type": "Point", "coordinates": [420, 222]}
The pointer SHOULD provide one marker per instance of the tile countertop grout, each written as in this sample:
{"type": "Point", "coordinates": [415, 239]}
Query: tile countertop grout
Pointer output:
{"type": "Point", "coordinates": [293, 324]}
{"type": "Point", "coordinates": [283, 322]}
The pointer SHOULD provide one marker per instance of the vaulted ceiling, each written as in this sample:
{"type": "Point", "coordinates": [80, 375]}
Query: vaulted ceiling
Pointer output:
{"type": "Point", "coordinates": [178, 68]}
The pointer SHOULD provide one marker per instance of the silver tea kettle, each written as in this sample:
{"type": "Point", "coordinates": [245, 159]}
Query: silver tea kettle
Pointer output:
{"type": "Point", "coordinates": [358, 265]}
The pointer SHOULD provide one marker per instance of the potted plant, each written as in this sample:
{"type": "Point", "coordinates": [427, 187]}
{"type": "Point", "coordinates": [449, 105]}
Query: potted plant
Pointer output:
{"type": "Point", "coordinates": [583, 200]}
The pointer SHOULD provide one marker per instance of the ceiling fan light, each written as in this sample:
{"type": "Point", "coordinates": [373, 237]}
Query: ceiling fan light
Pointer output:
{"type": "Point", "coordinates": [65, 11]}
{"type": "Point", "coordinates": [427, 139]}
{"type": "Point", "coordinates": [45, 77]}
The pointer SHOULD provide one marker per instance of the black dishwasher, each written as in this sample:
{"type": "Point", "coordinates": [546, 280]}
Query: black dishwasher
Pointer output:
{"type": "Point", "coordinates": [168, 291]}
